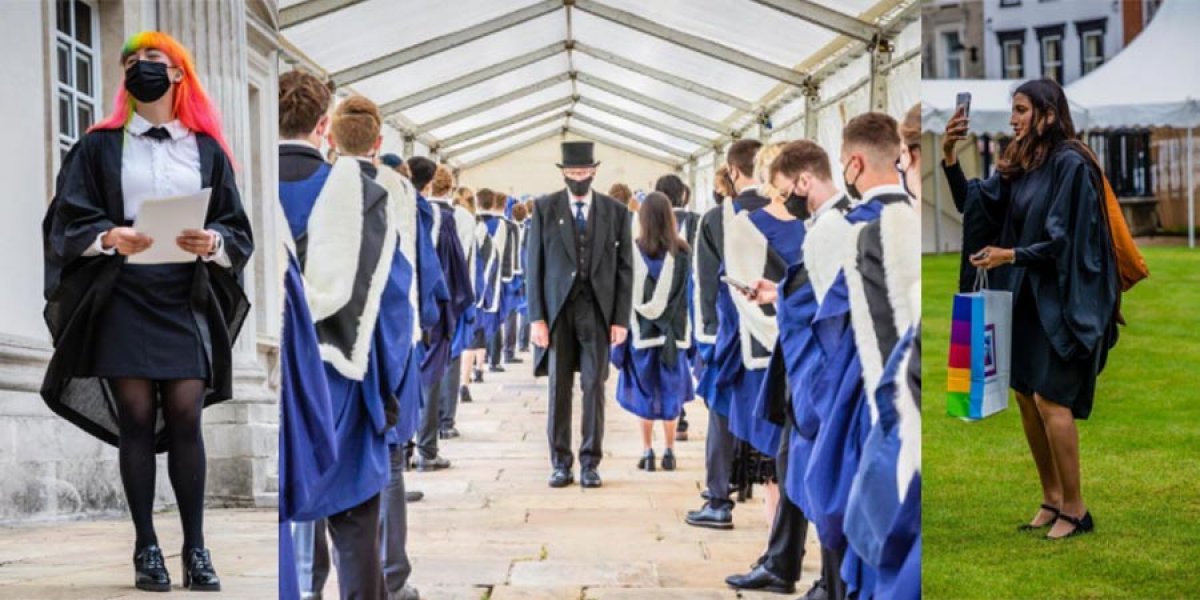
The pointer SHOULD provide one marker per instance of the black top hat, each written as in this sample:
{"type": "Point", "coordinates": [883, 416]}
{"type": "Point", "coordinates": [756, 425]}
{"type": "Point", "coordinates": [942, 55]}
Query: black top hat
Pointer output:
{"type": "Point", "coordinates": [577, 154]}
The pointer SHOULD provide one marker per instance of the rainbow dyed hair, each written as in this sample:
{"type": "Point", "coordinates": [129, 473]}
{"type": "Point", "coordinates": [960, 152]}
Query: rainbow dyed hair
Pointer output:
{"type": "Point", "coordinates": [192, 107]}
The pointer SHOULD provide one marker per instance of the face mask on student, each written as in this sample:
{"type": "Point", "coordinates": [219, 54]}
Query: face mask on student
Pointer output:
{"type": "Point", "coordinates": [147, 80]}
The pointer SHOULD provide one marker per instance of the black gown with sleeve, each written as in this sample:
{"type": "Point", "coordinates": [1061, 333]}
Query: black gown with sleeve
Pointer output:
{"type": "Point", "coordinates": [99, 309]}
{"type": "Point", "coordinates": [1064, 281]}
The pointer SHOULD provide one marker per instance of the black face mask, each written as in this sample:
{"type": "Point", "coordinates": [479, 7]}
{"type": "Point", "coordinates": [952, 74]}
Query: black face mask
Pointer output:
{"type": "Point", "coordinates": [851, 189]}
{"type": "Point", "coordinates": [147, 80]}
{"type": "Point", "coordinates": [578, 188]}
{"type": "Point", "coordinates": [797, 205]}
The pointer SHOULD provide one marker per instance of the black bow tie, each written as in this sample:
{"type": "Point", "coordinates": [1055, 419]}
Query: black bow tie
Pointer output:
{"type": "Point", "coordinates": [157, 133]}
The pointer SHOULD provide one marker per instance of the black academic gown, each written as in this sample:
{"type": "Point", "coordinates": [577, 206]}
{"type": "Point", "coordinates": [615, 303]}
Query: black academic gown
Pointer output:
{"type": "Point", "coordinates": [88, 200]}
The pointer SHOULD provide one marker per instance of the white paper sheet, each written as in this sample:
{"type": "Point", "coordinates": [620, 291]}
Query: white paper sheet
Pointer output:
{"type": "Point", "coordinates": [164, 219]}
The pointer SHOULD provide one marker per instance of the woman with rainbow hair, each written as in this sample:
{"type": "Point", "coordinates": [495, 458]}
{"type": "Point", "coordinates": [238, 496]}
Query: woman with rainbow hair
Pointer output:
{"type": "Point", "coordinates": [141, 349]}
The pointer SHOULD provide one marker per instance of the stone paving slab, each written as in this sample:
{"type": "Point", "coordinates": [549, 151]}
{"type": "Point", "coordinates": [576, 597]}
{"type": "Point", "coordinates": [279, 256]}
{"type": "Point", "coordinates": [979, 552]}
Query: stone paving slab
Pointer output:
{"type": "Point", "coordinates": [91, 559]}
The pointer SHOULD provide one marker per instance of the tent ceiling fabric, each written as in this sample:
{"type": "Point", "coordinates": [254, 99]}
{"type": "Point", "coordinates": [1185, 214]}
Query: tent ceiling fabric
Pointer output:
{"type": "Point", "coordinates": [671, 78]}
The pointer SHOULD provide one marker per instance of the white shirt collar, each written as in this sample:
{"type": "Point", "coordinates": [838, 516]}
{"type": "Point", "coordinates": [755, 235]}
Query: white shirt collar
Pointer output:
{"type": "Point", "coordinates": [302, 143]}
{"type": "Point", "coordinates": [828, 204]}
{"type": "Point", "coordinates": [138, 125]}
{"type": "Point", "coordinates": [893, 188]}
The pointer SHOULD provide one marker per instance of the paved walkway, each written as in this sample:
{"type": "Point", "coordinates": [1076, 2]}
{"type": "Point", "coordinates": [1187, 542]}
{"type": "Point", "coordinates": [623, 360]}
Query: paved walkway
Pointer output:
{"type": "Point", "coordinates": [491, 525]}
{"type": "Point", "coordinates": [92, 559]}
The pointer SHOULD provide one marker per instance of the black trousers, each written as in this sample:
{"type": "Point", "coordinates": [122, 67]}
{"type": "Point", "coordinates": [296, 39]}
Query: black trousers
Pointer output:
{"type": "Point", "coordinates": [523, 339]}
{"type": "Point", "coordinates": [718, 460]}
{"type": "Point", "coordinates": [785, 549]}
{"type": "Point", "coordinates": [431, 413]}
{"type": "Point", "coordinates": [493, 346]}
{"type": "Point", "coordinates": [355, 534]}
{"type": "Point", "coordinates": [393, 525]}
{"type": "Point", "coordinates": [579, 342]}
{"type": "Point", "coordinates": [510, 335]}
{"type": "Point", "coordinates": [831, 572]}
{"type": "Point", "coordinates": [448, 405]}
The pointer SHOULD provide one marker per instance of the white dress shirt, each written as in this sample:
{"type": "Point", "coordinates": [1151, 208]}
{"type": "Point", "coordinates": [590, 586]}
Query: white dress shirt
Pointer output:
{"type": "Point", "coordinates": [153, 169]}
{"type": "Point", "coordinates": [586, 199]}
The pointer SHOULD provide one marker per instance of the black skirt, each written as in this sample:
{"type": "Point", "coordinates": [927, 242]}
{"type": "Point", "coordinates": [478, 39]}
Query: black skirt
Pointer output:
{"type": "Point", "coordinates": [478, 341]}
{"type": "Point", "coordinates": [148, 329]}
{"type": "Point", "coordinates": [1037, 368]}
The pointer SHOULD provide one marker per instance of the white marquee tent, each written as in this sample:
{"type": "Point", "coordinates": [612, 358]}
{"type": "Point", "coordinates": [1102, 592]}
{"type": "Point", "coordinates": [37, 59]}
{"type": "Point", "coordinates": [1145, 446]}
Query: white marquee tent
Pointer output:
{"type": "Point", "coordinates": [1154, 82]}
{"type": "Point", "coordinates": [673, 81]}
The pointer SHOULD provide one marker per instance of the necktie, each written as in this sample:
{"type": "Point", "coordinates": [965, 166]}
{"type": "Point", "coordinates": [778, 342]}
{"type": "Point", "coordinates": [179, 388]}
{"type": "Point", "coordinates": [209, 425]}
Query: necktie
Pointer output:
{"type": "Point", "coordinates": [157, 133]}
{"type": "Point", "coordinates": [580, 220]}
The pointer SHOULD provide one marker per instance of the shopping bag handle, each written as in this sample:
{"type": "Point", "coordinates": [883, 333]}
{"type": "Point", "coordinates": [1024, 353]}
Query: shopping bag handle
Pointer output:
{"type": "Point", "coordinates": [981, 279]}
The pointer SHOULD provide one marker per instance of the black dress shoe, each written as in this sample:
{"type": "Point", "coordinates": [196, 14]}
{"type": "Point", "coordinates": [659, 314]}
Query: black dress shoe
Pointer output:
{"type": "Point", "coordinates": [589, 478]}
{"type": "Point", "coordinates": [561, 478]}
{"type": "Point", "coordinates": [476, 375]}
{"type": "Point", "coordinates": [150, 570]}
{"type": "Point", "coordinates": [761, 579]}
{"type": "Point", "coordinates": [713, 518]}
{"type": "Point", "coordinates": [464, 395]}
{"type": "Point", "coordinates": [448, 433]}
{"type": "Point", "coordinates": [496, 369]}
{"type": "Point", "coordinates": [668, 461]}
{"type": "Point", "coordinates": [646, 462]}
{"type": "Point", "coordinates": [1082, 525]}
{"type": "Point", "coordinates": [411, 496]}
{"type": "Point", "coordinates": [818, 591]}
{"type": "Point", "coordinates": [436, 463]}
{"type": "Point", "coordinates": [512, 360]}
{"type": "Point", "coordinates": [198, 572]}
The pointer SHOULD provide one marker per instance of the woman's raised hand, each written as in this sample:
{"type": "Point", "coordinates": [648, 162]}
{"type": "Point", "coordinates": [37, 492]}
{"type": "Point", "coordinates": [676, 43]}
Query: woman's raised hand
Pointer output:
{"type": "Point", "coordinates": [956, 131]}
{"type": "Point", "coordinates": [126, 240]}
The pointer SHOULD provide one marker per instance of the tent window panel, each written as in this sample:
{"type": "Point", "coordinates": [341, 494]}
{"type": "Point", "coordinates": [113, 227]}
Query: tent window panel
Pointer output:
{"type": "Point", "coordinates": [1125, 155]}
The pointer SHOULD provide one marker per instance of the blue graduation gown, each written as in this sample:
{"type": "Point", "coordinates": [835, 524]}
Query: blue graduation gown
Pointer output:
{"type": "Point", "coordinates": [459, 293]}
{"type": "Point", "coordinates": [307, 445]}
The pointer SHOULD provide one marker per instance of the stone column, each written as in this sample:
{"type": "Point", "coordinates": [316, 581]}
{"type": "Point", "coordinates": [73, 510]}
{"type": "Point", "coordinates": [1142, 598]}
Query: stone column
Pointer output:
{"type": "Point", "coordinates": [242, 434]}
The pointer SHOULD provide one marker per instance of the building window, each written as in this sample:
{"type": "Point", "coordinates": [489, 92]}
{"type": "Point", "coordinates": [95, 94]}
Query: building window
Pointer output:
{"type": "Point", "coordinates": [1051, 41]}
{"type": "Point", "coordinates": [76, 81]}
{"type": "Point", "coordinates": [954, 66]}
{"type": "Point", "coordinates": [1004, 3]}
{"type": "Point", "coordinates": [1012, 54]}
{"type": "Point", "coordinates": [1091, 44]}
{"type": "Point", "coordinates": [1125, 156]}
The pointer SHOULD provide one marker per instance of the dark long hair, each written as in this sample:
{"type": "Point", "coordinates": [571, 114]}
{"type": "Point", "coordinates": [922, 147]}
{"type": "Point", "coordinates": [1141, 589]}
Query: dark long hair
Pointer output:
{"type": "Point", "coordinates": [659, 233]}
{"type": "Point", "coordinates": [671, 185]}
{"type": "Point", "coordinates": [1035, 148]}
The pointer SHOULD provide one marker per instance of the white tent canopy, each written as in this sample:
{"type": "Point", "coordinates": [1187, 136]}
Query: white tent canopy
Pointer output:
{"type": "Point", "coordinates": [1153, 82]}
{"type": "Point", "coordinates": [673, 78]}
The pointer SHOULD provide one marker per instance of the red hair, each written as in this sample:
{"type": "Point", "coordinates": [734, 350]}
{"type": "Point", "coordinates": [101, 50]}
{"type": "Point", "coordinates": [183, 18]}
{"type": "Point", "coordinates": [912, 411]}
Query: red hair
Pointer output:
{"type": "Point", "coordinates": [192, 106]}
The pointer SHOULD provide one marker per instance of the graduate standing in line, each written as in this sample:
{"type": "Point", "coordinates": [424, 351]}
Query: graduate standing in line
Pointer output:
{"type": "Point", "coordinates": [470, 358]}
{"type": "Point", "coordinates": [343, 224]}
{"type": "Point", "coordinates": [655, 380]}
{"type": "Point", "coordinates": [689, 226]}
{"type": "Point", "coordinates": [441, 190]}
{"type": "Point", "coordinates": [438, 219]}
{"type": "Point", "coordinates": [506, 243]}
{"type": "Point", "coordinates": [138, 345]}
{"type": "Point", "coordinates": [519, 311]}
{"type": "Point", "coordinates": [720, 320]}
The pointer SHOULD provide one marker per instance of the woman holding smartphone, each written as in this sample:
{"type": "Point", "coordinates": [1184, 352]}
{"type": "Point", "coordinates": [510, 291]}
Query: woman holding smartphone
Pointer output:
{"type": "Point", "coordinates": [141, 349]}
{"type": "Point", "coordinates": [1041, 226]}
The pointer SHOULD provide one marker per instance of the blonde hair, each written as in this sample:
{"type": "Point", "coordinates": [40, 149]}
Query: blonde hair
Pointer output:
{"type": "Point", "coordinates": [465, 197]}
{"type": "Point", "coordinates": [443, 182]}
{"type": "Point", "coordinates": [762, 169]}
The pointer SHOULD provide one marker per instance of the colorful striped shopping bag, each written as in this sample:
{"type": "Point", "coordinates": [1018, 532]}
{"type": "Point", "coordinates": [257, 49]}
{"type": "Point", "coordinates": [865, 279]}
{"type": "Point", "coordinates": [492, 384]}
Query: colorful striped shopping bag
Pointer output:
{"type": "Point", "coordinates": [980, 353]}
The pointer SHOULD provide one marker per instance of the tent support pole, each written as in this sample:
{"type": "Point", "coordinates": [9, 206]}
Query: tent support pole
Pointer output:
{"type": "Point", "coordinates": [937, 203]}
{"type": "Point", "coordinates": [1191, 191]}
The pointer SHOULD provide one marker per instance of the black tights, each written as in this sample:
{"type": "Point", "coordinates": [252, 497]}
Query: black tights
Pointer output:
{"type": "Point", "coordinates": [182, 401]}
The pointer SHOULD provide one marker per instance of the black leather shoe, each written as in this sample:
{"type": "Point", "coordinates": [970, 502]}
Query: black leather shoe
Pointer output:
{"type": "Point", "coordinates": [496, 369]}
{"type": "Point", "coordinates": [448, 434]}
{"type": "Point", "coordinates": [512, 360]}
{"type": "Point", "coordinates": [761, 579]}
{"type": "Point", "coordinates": [150, 570]}
{"type": "Point", "coordinates": [411, 496]}
{"type": "Point", "coordinates": [713, 518]}
{"type": "Point", "coordinates": [646, 462]}
{"type": "Point", "coordinates": [818, 591]}
{"type": "Point", "coordinates": [198, 572]}
{"type": "Point", "coordinates": [476, 375]}
{"type": "Point", "coordinates": [589, 478]}
{"type": "Point", "coordinates": [668, 461]}
{"type": "Point", "coordinates": [407, 592]}
{"type": "Point", "coordinates": [1082, 525]}
{"type": "Point", "coordinates": [436, 463]}
{"type": "Point", "coordinates": [561, 478]}
{"type": "Point", "coordinates": [464, 395]}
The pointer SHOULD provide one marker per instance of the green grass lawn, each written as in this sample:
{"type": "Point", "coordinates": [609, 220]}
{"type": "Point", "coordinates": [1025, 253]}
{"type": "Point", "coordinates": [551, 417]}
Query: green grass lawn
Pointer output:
{"type": "Point", "coordinates": [1140, 452]}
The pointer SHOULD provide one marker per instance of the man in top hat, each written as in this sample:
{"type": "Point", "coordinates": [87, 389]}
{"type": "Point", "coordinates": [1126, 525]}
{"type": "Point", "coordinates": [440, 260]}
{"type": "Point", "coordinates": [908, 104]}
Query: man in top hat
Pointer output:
{"type": "Point", "coordinates": [580, 271]}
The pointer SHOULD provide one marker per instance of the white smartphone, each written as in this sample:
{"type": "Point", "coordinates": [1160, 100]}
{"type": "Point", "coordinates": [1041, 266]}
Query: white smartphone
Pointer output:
{"type": "Point", "coordinates": [964, 100]}
{"type": "Point", "coordinates": [741, 287]}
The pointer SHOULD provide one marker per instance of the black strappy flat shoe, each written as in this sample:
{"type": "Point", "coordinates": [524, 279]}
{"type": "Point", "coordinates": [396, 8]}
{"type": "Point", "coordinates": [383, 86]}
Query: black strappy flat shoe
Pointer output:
{"type": "Point", "coordinates": [1032, 527]}
{"type": "Point", "coordinates": [1082, 525]}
